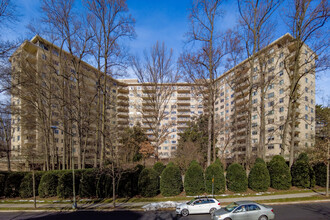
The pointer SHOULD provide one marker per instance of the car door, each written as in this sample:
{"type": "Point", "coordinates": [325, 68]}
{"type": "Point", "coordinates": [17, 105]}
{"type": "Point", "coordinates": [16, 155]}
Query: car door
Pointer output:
{"type": "Point", "coordinates": [253, 212]}
{"type": "Point", "coordinates": [240, 213]}
{"type": "Point", "coordinates": [195, 207]}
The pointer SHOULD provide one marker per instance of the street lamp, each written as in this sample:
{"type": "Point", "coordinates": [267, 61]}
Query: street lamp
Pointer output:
{"type": "Point", "coordinates": [74, 205]}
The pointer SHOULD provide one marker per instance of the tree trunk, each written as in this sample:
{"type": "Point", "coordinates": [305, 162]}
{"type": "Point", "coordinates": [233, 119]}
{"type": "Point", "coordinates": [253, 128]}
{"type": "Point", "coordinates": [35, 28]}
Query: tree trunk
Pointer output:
{"type": "Point", "coordinates": [328, 167]}
{"type": "Point", "coordinates": [113, 187]}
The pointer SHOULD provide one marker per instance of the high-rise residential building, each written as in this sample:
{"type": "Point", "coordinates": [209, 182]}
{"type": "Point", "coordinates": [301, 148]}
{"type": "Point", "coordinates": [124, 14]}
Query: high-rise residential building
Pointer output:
{"type": "Point", "coordinates": [55, 99]}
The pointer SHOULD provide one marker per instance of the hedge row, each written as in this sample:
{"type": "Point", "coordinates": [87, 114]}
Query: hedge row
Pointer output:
{"type": "Point", "coordinates": [167, 180]}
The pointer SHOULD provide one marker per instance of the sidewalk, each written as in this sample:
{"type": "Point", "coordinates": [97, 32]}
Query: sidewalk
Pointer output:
{"type": "Point", "coordinates": [138, 205]}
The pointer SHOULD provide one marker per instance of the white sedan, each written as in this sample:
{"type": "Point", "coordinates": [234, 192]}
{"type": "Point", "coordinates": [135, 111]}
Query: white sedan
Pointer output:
{"type": "Point", "coordinates": [198, 206]}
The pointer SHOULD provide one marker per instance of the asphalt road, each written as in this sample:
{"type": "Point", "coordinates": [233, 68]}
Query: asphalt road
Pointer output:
{"type": "Point", "coordinates": [306, 211]}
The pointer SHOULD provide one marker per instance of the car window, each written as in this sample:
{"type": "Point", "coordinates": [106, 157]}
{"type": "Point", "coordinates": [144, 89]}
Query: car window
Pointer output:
{"type": "Point", "coordinates": [241, 208]}
{"type": "Point", "coordinates": [198, 202]}
{"type": "Point", "coordinates": [211, 201]}
{"type": "Point", "coordinates": [253, 207]}
{"type": "Point", "coordinates": [231, 207]}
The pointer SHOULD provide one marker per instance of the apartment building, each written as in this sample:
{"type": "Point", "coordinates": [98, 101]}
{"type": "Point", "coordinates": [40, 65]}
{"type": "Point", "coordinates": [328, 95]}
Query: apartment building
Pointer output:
{"type": "Point", "coordinates": [49, 88]}
{"type": "Point", "coordinates": [232, 104]}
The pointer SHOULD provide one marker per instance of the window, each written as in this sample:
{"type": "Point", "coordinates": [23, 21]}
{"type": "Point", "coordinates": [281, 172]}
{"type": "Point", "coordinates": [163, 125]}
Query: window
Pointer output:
{"type": "Point", "coordinates": [306, 80]}
{"type": "Point", "coordinates": [312, 110]}
{"type": "Point", "coordinates": [254, 93]}
{"type": "Point", "coordinates": [271, 129]}
{"type": "Point", "coordinates": [271, 86]}
{"type": "Point", "coordinates": [281, 91]}
{"type": "Point", "coordinates": [254, 101]}
{"type": "Point", "coordinates": [282, 82]}
{"type": "Point", "coordinates": [254, 117]}
{"type": "Point", "coordinates": [281, 54]}
{"type": "Point", "coordinates": [254, 132]}
{"type": "Point", "coordinates": [306, 98]}
{"type": "Point", "coordinates": [281, 109]}
{"type": "Point", "coordinates": [306, 107]}
{"type": "Point", "coordinates": [18, 138]}
{"type": "Point", "coordinates": [306, 126]}
{"type": "Point", "coordinates": [173, 142]}
{"type": "Point", "coordinates": [270, 103]}
{"type": "Point", "coordinates": [271, 146]}
{"type": "Point", "coordinates": [270, 121]}
{"type": "Point", "coordinates": [281, 73]}
{"type": "Point", "coordinates": [254, 125]}
{"type": "Point", "coordinates": [312, 101]}
{"type": "Point", "coordinates": [270, 95]}
{"type": "Point", "coordinates": [306, 89]}
{"type": "Point", "coordinates": [271, 112]}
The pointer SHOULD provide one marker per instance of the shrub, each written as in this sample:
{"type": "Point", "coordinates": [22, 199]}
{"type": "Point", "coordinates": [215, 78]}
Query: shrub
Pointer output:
{"type": "Point", "coordinates": [171, 181]}
{"type": "Point", "coordinates": [280, 177]}
{"type": "Point", "coordinates": [194, 179]}
{"type": "Point", "coordinates": [3, 177]}
{"type": "Point", "coordinates": [87, 187]}
{"type": "Point", "coordinates": [103, 184]}
{"type": "Point", "coordinates": [259, 179]}
{"type": "Point", "coordinates": [236, 178]}
{"type": "Point", "coordinates": [26, 187]}
{"type": "Point", "coordinates": [218, 162]}
{"type": "Point", "coordinates": [302, 173]}
{"type": "Point", "coordinates": [128, 184]}
{"type": "Point", "coordinates": [48, 184]}
{"type": "Point", "coordinates": [215, 170]}
{"type": "Point", "coordinates": [148, 183]}
{"type": "Point", "coordinates": [65, 184]}
{"type": "Point", "coordinates": [320, 170]}
{"type": "Point", "coordinates": [13, 183]}
{"type": "Point", "coordinates": [159, 167]}
{"type": "Point", "coordinates": [259, 160]}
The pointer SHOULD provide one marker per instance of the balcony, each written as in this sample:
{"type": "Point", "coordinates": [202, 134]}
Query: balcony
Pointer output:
{"type": "Point", "coordinates": [183, 89]}
{"type": "Point", "coordinates": [183, 119]}
{"type": "Point", "coordinates": [122, 97]}
{"type": "Point", "coordinates": [183, 96]}
{"type": "Point", "coordinates": [123, 90]}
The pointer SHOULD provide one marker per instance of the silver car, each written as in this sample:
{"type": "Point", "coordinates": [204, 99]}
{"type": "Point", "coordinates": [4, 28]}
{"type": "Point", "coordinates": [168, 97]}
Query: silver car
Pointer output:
{"type": "Point", "coordinates": [244, 210]}
{"type": "Point", "coordinates": [198, 205]}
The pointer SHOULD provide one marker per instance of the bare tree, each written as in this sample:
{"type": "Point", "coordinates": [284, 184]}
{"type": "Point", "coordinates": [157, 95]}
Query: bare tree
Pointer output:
{"type": "Point", "coordinates": [110, 23]}
{"type": "Point", "coordinates": [201, 66]}
{"type": "Point", "coordinates": [158, 76]}
{"type": "Point", "coordinates": [256, 31]}
{"type": "Point", "coordinates": [5, 135]}
{"type": "Point", "coordinates": [307, 24]}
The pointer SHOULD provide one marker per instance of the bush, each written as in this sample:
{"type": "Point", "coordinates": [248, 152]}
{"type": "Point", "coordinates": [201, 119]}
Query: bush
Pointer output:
{"type": "Point", "coordinates": [26, 187]}
{"type": "Point", "coordinates": [103, 184]}
{"type": "Point", "coordinates": [259, 179]}
{"type": "Point", "coordinates": [320, 170]}
{"type": "Point", "coordinates": [236, 178]}
{"type": "Point", "coordinates": [194, 179]}
{"type": "Point", "coordinates": [215, 170]}
{"type": "Point", "coordinates": [65, 184]}
{"type": "Point", "coordinates": [128, 184]}
{"type": "Point", "coordinates": [171, 181]}
{"type": "Point", "coordinates": [259, 160]}
{"type": "Point", "coordinates": [13, 183]}
{"type": "Point", "coordinates": [159, 167]}
{"type": "Point", "coordinates": [87, 187]}
{"type": "Point", "coordinates": [3, 178]}
{"type": "Point", "coordinates": [302, 173]}
{"type": "Point", "coordinates": [48, 184]}
{"type": "Point", "coordinates": [148, 183]}
{"type": "Point", "coordinates": [218, 162]}
{"type": "Point", "coordinates": [280, 177]}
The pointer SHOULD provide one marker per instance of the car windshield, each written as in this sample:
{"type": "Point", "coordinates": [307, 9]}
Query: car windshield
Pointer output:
{"type": "Point", "coordinates": [231, 207]}
{"type": "Point", "coordinates": [191, 201]}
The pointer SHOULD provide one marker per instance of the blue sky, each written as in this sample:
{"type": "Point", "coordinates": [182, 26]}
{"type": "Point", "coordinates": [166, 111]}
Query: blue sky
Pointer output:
{"type": "Point", "coordinates": [162, 20]}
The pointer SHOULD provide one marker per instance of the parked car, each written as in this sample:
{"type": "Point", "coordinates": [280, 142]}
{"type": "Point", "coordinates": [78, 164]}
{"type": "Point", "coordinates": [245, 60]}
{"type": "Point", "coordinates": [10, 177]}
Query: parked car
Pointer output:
{"type": "Point", "coordinates": [246, 210]}
{"type": "Point", "coordinates": [199, 205]}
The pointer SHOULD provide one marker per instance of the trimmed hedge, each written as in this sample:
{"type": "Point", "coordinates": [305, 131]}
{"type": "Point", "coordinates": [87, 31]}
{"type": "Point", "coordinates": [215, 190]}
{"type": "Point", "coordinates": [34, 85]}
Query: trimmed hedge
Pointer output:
{"type": "Point", "coordinates": [3, 178]}
{"type": "Point", "coordinates": [65, 184]}
{"type": "Point", "coordinates": [259, 179]}
{"type": "Point", "coordinates": [259, 160]}
{"type": "Point", "coordinates": [148, 183]}
{"type": "Point", "coordinates": [103, 185]}
{"type": "Point", "coordinates": [13, 183]}
{"type": "Point", "coordinates": [320, 170]}
{"type": "Point", "coordinates": [236, 178]}
{"type": "Point", "coordinates": [171, 181]}
{"type": "Point", "coordinates": [26, 187]}
{"type": "Point", "coordinates": [48, 184]}
{"type": "Point", "coordinates": [128, 184]}
{"type": "Point", "coordinates": [159, 167]}
{"type": "Point", "coordinates": [87, 186]}
{"type": "Point", "coordinates": [215, 170]}
{"type": "Point", "coordinates": [280, 177]}
{"type": "Point", "coordinates": [302, 173]}
{"type": "Point", "coordinates": [194, 179]}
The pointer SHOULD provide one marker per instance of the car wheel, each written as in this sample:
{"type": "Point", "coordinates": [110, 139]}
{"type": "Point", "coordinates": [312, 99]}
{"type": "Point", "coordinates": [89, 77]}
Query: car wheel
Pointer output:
{"type": "Point", "coordinates": [185, 212]}
{"type": "Point", "coordinates": [227, 218]}
{"type": "Point", "coordinates": [263, 217]}
{"type": "Point", "coordinates": [212, 210]}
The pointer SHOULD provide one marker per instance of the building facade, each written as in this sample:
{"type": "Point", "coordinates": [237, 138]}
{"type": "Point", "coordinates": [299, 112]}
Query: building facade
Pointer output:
{"type": "Point", "coordinates": [55, 100]}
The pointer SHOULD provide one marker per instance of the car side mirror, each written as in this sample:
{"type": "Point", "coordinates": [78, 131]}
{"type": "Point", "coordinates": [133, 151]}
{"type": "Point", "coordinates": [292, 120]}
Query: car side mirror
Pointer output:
{"type": "Point", "coordinates": [192, 204]}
